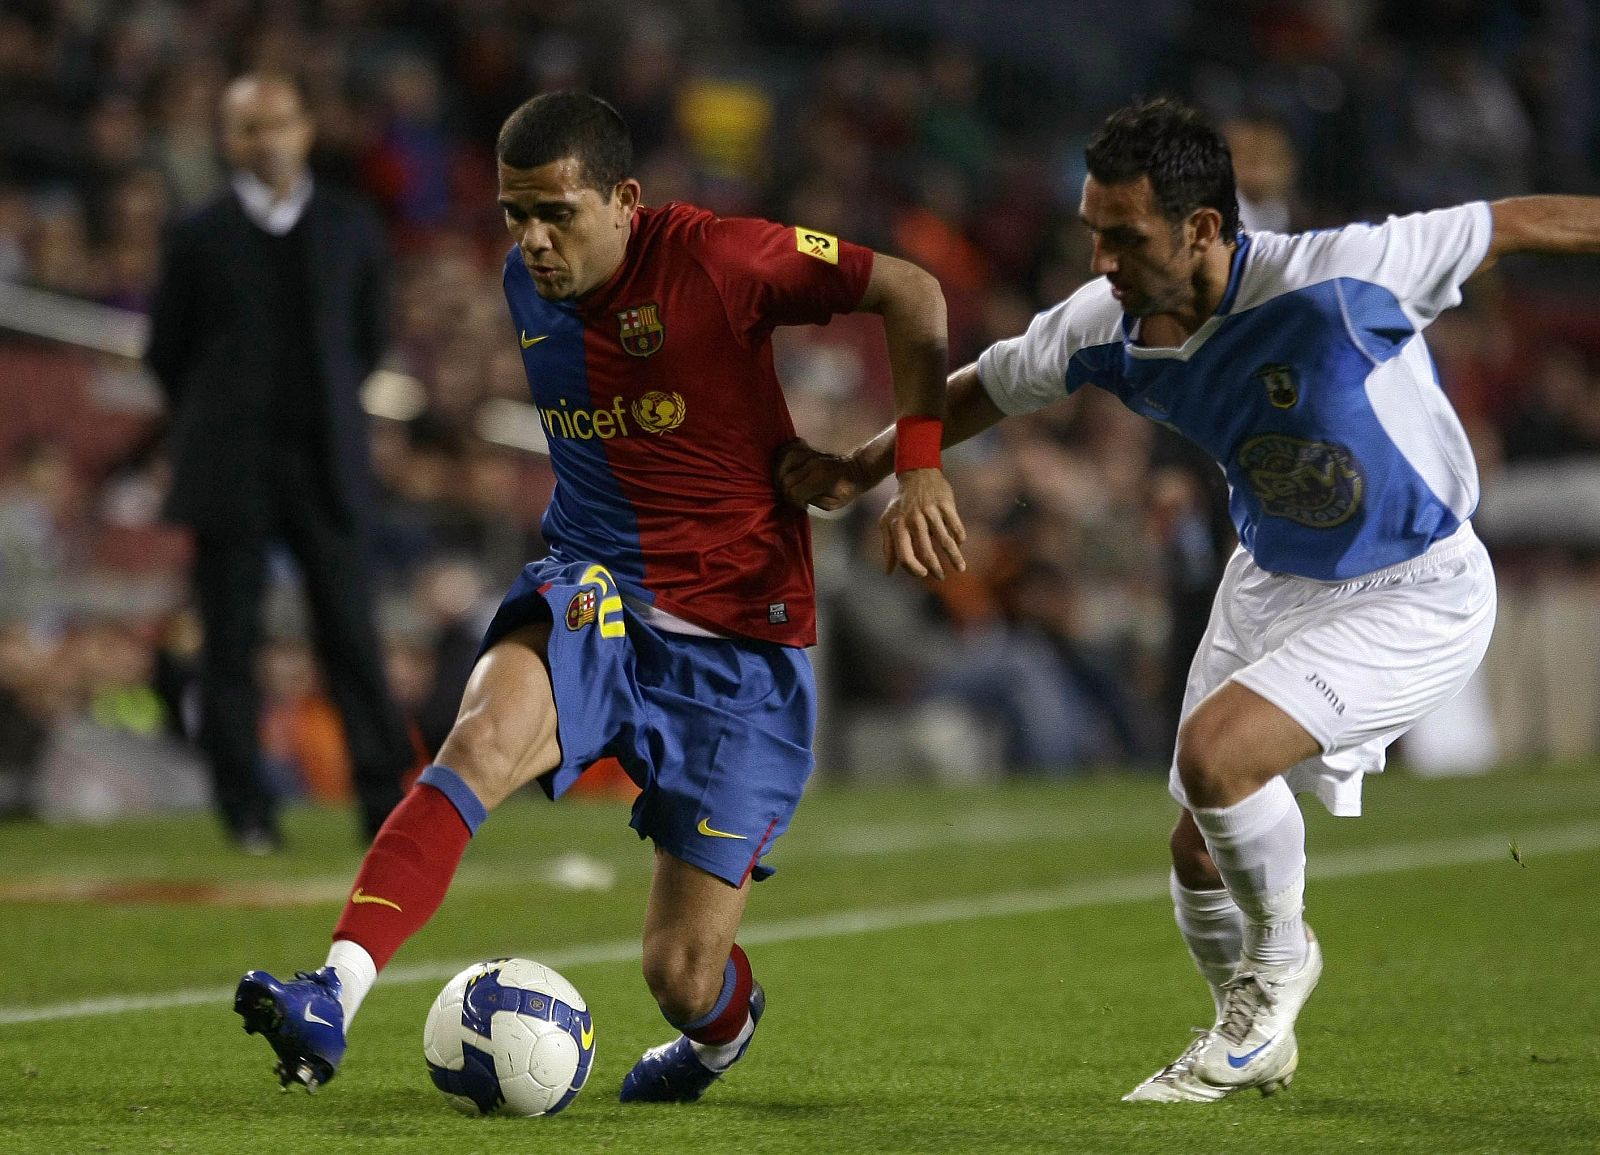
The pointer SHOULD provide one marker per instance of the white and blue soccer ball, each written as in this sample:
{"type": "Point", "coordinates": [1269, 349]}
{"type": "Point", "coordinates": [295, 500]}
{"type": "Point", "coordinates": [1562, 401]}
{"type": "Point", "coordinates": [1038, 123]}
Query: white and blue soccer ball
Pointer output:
{"type": "Point", "coordinates": [509, 1037]}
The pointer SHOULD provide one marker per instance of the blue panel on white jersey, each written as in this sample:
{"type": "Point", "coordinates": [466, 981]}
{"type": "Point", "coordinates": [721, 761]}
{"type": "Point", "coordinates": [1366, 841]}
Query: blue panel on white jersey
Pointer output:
{"type": "Point", "coordinates": [1317, 396]}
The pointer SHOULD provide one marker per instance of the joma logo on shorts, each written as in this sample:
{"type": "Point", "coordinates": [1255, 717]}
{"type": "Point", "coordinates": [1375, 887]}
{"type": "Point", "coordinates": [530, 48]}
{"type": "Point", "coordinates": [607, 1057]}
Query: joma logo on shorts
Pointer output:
{"type": "Point", "coordinates": [1327, 692]}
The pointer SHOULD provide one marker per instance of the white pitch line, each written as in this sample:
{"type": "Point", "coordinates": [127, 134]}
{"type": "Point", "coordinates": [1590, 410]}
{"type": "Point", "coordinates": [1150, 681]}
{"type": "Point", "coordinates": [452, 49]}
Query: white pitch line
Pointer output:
{"type": "Point", "coordinates": [1356, 863]}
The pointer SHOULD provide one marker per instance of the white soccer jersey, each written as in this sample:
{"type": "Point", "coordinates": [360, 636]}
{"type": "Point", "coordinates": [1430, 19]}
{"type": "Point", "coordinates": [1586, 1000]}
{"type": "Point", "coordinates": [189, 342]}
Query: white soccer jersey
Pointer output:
{"type": "Point", "coordinates": [1311, 386]}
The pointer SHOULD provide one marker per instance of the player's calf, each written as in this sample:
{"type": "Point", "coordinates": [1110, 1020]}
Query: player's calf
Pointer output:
{"type": "Point", "coordinates": [402, 880]}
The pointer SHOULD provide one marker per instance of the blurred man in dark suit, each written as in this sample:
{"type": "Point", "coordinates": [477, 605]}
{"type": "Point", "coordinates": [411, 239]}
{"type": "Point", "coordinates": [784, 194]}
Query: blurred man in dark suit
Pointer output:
{"type": "Point", "coordinates": [271, 310]}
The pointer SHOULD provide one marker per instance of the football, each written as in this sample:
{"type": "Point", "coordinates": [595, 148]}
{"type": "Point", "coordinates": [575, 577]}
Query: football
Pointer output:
{"type": "Point", "coordinates": [509, 1037]}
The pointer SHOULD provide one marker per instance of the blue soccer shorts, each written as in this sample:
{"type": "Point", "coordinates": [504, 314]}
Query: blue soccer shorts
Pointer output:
{"type": "Point", "coordinates": [716, 732]}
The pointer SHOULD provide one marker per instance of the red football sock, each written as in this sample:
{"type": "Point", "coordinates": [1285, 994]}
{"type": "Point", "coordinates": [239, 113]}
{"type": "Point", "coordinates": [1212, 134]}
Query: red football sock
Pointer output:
{"type": "Point", "coordinates": [405, 874]}
{"type": "Point", "coordinates": [727, 1018]}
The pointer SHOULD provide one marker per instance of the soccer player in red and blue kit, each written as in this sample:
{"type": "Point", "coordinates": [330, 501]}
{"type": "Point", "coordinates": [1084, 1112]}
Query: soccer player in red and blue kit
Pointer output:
{"type": "Point", "coordinates": [666, 627]}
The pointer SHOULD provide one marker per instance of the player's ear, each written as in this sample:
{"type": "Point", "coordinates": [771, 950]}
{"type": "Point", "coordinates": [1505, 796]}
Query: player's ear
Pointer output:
{"type": "Point", "coordinates": [1205, 228]}
{"type": "Point", "coordinates": [626, 198]}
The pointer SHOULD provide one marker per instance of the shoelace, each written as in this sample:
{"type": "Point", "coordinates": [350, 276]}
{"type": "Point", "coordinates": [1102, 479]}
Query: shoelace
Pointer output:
{"type": "Point", "coordinates": [1247, 994]}
{"type": "Point", "coordinates": [1182, 1064]}
{"type": "Point", "coordinates": [316, 978]}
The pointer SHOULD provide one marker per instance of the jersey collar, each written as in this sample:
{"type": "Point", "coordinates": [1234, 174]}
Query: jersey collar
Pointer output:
{"type": "Point", "coordinates": [1130, 330]}
{"type": "Point", "coordinates": [1235, 274]}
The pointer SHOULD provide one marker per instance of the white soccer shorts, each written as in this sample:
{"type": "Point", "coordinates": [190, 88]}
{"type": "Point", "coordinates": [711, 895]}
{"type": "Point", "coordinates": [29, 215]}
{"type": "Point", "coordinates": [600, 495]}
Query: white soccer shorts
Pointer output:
{"type": "Point", "coordinates": [1356, 663]}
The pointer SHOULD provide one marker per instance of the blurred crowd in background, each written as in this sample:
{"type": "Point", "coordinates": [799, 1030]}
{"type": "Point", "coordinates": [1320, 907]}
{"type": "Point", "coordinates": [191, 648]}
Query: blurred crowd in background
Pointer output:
{"type": "Point", "coordinates": [949, 133]}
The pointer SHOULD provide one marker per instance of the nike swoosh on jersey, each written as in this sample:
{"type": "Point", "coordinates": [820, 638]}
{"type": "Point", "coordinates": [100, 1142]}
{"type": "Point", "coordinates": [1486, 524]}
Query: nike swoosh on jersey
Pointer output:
{"type": "Point", "coordinates": [1238, 1061]}
{"type": "Point", "coordinates": [529, 342]}
{"type": "Point", "coordinates": [358, 898]}
{"type": "Point", "coordinates": [706, 829]}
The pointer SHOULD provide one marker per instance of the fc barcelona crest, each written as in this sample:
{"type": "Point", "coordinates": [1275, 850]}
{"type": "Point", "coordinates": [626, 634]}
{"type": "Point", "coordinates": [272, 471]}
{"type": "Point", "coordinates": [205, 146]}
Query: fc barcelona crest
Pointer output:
{"type": "Point", "coordinates": [582, 609]}
{"type": "Point", "coordinates": [1283, 388]}
{"type": "Point", "coordinates": [642, 332]}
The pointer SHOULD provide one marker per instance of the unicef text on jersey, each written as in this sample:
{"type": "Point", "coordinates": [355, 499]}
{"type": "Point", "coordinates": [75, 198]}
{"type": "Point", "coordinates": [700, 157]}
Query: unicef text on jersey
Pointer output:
{"type": "Point", "coordinates": [654, 413]}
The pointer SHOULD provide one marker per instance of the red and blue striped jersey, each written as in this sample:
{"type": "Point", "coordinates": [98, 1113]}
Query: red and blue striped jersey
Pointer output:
{"type": "Point", "coordinates": [662, 409]}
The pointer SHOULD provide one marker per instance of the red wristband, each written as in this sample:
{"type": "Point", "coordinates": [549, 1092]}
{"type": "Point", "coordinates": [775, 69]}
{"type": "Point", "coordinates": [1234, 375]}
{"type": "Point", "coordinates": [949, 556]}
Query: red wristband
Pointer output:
{"type": "Point", "coordinates": [916, 443]}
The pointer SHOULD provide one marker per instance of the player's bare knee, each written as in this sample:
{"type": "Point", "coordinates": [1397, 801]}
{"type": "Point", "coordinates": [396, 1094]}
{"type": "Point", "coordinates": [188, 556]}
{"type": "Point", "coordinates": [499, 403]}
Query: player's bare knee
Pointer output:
{"type": "Point", "coordinates": [683, 982]}
{"type": "Point", "coordinates": [478, 755]}
{"type": "Point", "coordinates": [1205, 758]}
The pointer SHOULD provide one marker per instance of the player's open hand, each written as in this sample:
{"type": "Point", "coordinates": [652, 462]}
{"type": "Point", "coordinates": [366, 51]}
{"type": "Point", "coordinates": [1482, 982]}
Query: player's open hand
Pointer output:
{"type": "Point", "coordinates": [807, 476]}
{"type": "Point", "coordinates": [921, 529]}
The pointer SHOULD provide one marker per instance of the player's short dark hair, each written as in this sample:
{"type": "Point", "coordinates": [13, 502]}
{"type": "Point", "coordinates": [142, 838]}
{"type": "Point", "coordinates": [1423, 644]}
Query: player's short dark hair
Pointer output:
{"type": "Point", "coordinates": [1186, 159]}
{"type": "Point", "coordinates": [556, 125]}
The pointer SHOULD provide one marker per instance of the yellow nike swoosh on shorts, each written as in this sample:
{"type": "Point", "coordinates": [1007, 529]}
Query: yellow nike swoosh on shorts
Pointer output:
{"type": "Point", "coordinates": [358, 898]}
{"type": "Point", "coordinates": [529, 342]}
{"type": "Point", "coordinates": [705, 828]}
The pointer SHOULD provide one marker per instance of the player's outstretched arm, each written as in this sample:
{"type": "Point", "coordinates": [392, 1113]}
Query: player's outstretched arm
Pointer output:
{"type": "Point", "coordinates": [968, 412]}
{"type": "Point", "coordinates": [807, 476]}
{"type": "Point", "coordinates": [1543, 224]}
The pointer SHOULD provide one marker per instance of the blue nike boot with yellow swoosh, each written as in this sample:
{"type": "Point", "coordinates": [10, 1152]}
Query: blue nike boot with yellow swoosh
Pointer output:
{"type": "Point", "coordinates": [673, 1073]}
{"type": "Point", "coordinates": [302, 1019]}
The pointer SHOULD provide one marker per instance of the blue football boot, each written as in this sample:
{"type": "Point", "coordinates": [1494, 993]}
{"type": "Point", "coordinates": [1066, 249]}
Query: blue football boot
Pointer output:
{"type": "Point", "coordinates": [301, 1019]}
{"type": "Point", "coordinates": [673, 1073]}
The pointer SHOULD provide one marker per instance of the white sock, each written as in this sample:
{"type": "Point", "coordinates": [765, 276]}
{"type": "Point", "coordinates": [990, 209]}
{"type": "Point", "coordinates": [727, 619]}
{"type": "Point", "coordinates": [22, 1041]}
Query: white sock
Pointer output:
{"type": "Point", "coordinates": [720, 1056]}
{"type": "Point", "coordinates": [1213, 927]}
{"type": "Point", "coordinates": [357, 972]}
{"type": "Point", "coordinates": [1259, 847]}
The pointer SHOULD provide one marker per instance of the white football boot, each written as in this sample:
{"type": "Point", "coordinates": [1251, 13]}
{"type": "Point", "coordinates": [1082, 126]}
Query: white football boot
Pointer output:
{"type": "Point", "coordinates": [1177, 1082]}
{"type": "Point", "coordinates": [1253, 1043]}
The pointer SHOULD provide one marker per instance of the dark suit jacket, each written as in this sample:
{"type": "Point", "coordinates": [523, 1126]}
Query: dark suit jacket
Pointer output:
{"type": "Point", "coordinates": [210, 347]}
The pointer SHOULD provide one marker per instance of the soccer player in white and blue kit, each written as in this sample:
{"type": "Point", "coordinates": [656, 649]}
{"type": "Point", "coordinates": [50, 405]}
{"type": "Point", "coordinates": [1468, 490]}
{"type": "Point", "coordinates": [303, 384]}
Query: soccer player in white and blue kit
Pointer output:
{"type": "Point", "coordinates": [1359, 598]}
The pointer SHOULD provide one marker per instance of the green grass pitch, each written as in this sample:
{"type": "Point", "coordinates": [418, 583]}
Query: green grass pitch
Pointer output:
{"type": "Point", "coordinates": [981, 970]}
